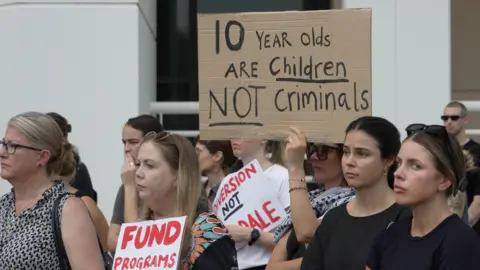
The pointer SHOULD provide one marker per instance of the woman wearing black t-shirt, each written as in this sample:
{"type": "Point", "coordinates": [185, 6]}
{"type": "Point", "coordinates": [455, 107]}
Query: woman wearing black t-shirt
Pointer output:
{"type": "Point", "coordinates": [431, 167]}
{"type": "Point", "coordinates": [343, 239]}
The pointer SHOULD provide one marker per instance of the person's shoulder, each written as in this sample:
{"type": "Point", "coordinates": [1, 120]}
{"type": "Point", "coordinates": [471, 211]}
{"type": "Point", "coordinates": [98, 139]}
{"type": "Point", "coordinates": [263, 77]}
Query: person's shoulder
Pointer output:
{"type": "Point", "coordinates": [460, 244]}
{"type": "Point", "coordinates": [277, 172]}
{"type": "Point", "coordinates": [336, 212]}
{"type": "Point", "coordinates": [278, 169]}
{"type": "Point", "coordinates": [333, 215]}
{"type": "Point", "coordinates": [209, 227]}
{"type": "Point", "coordinates": [473, 147]}
{"type": "Point", "coordinates": [458, 232]}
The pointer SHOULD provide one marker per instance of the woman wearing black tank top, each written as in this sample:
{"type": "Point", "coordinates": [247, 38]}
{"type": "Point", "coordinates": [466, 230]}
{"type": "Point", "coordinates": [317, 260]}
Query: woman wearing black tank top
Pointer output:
{"type": "Point", "coordinates": [431, 168]}
{"type": "Point", "coordinates": [344, 237]}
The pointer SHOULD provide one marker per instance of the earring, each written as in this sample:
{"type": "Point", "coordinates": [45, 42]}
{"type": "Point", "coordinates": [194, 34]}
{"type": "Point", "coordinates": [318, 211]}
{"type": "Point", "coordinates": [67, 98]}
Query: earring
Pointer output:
{"type": "Point", "coordinates": [385, 172]}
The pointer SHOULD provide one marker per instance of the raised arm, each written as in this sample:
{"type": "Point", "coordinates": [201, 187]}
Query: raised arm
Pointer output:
{"type": "Point", "coordinates": [130, 189]}
{"type": "Point", "coordinates": [304, 219]}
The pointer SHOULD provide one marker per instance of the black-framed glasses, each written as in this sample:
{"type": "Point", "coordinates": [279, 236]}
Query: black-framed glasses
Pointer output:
{"type": "Point", "coordinates": [453, 117]}
{"type": "Point", "coordinates": [321, 150]}
{"type": "Point", "coordinates": [11, 147]}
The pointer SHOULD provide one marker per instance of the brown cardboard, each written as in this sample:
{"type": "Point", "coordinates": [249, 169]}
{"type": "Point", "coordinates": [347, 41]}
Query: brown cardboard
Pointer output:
{"type": "Point", "coordinates": [257, 101]}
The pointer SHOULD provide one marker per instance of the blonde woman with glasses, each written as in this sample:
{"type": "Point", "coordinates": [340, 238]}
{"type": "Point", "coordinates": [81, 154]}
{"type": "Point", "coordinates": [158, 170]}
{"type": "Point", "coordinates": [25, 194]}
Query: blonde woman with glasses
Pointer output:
{"type": "Point", "coordinates": [33, 151]}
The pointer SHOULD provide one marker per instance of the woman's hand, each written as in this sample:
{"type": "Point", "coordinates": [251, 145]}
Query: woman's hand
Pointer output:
{"type": "Point", "coordinates": [295, 147]}
{"type": "Point", "coordinates": [128, 170]}
{"type": "Point", "coordinates": [239, 233]}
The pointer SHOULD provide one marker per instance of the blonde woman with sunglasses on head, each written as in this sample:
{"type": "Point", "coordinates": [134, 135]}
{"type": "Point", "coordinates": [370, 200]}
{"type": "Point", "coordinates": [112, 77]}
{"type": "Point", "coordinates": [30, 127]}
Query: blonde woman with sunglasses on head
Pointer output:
{"type": "Point", "coordinates": [169, 185]}
{"type": "Point", "coordinates": [430, 166]}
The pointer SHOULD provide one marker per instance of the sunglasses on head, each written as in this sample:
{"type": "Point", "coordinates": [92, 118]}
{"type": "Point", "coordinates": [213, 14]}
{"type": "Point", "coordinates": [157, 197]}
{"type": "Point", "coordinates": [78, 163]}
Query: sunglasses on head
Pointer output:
{"type": "Point", "coordinates": [453, 117]}
{"type": "Point", "coordinates": [321, 150]}
{"type": "Point", "coordinates": [432, 129]}
{"type": "Point", "coordinates": [441, 133]}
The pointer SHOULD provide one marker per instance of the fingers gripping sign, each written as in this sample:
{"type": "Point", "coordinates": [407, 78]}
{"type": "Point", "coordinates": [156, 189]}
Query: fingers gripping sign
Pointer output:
{"type": "Point", "coordinates": [128, 170]}
{"type": "Point", "coordinates": [295, 146]}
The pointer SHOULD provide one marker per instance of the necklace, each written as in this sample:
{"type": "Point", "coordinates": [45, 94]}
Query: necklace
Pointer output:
{"type": "Point", "coordinates": [24, 206]}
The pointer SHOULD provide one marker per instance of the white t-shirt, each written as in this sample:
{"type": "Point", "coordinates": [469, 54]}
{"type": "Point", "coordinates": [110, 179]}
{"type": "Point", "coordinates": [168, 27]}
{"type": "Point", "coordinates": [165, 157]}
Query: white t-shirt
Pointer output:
{"type": "Point", "coordinates": [255, 255]}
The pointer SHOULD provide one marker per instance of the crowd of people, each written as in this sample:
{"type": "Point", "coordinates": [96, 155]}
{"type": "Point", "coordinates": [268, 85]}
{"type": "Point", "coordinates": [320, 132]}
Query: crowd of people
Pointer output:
{"type": "Point", "coordinates": [380, 203]}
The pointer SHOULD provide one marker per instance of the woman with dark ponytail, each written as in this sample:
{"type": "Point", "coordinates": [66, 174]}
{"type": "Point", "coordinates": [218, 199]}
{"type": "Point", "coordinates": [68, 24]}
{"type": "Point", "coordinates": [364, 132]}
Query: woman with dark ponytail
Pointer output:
{"type": "Point", "coordinates": [81, 179]}
{"type": "Point", "coordinates": [344, 237]}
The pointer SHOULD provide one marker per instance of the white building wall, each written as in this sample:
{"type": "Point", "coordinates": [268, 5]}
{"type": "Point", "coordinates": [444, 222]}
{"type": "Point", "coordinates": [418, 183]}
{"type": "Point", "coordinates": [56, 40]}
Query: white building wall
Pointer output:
{"type": "Point", "coordinates": [411, 59]}
{"type": "Point", "coordinates": [93, 63]}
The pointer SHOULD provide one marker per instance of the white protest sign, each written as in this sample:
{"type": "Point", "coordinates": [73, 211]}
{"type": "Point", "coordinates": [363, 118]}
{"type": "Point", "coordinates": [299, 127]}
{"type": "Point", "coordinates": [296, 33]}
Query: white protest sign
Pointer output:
{"type": "Point", "coordinates": [153, 244]}
{"type": "Point", "coordinates": [247, 199]}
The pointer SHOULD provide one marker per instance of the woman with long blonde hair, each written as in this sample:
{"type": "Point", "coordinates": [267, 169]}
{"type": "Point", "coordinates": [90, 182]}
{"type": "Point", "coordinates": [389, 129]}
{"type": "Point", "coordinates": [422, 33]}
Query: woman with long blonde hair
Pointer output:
{"type": "Point", "coordinates": [169, 185]}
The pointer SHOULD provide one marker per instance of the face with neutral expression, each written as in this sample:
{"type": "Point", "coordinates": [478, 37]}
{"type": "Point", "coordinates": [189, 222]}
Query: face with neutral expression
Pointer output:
{"type": "Point", "coordinates": [416, 178]}
{"type": "Point", "coordinates": [19, 157]}
{"type": "Point", "coordinates": [361, 161]}
{"type": "Point", "coordinates": [208, 162]}
{"type": "Point", "coordinates": [326, 162]}
{"type": "Point", "coordinates": [131, 139]}
{"type": "Point", "coordinates": [454, 121]}
{"type": "Point", "coordinates": [156, 180]}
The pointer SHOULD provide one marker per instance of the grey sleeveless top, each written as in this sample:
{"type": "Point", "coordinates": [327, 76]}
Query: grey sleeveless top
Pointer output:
{"type": "Point", "coordinates": [26, 240]}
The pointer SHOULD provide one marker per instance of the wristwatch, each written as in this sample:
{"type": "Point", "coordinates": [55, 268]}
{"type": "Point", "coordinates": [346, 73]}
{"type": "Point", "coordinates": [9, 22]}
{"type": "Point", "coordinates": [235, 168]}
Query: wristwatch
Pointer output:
{"type": "Point", "coordinates": [254, 236]}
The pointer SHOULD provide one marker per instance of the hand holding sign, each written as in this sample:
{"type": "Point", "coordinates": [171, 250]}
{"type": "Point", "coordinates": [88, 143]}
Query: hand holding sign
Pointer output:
{"type": "Point", "coordinates": [152, 244]}
{"type": "Point", "coordinates": [295, 146]}
{"type": "Point", "coordinates": [246, 199]}
{"type": "Point", "coordinates": [272, 70]}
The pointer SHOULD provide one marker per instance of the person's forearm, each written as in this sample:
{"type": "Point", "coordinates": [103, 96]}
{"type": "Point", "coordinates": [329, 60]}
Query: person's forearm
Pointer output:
{"type": "Point", "coordinates": [285, 265]}
{"type": "Point", "coordinates": [130, 213]}
{"type": "Point", "coordinates": [304, 219]}
{"type": "Point", "coordinates": [266, 240]}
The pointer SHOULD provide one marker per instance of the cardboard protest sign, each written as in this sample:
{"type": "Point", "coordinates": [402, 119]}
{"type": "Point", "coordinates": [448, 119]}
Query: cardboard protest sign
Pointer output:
{"type": "Point", "coordinates": [153, 244]}
{"type": "Point", "coordinates": [260, 73]}
{"type": "Point", "coordinates": [245, 198]}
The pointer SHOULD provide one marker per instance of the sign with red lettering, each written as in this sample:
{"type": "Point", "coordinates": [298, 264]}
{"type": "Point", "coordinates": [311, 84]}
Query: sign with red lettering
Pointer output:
{"type": "Point", "coordinates": [247, 199]}
{"type": "Point", "coordinates": [153, 244]}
